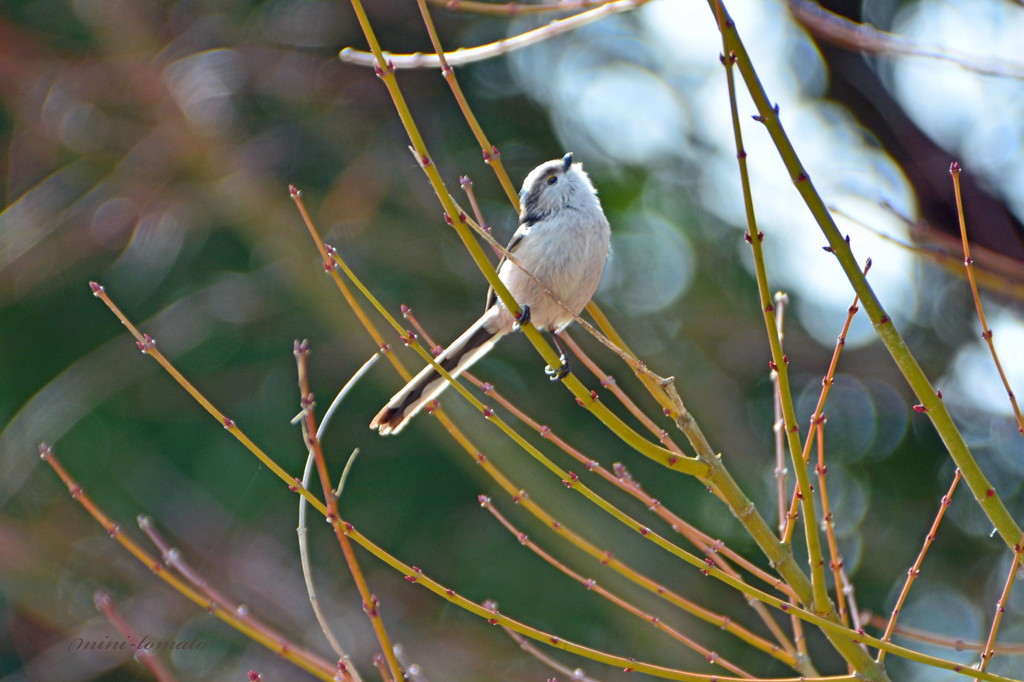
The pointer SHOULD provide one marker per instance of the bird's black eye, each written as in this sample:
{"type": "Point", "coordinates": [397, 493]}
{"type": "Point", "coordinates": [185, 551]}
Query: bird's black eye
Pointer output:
{"type": "Point", "coordinates": [552, 179]}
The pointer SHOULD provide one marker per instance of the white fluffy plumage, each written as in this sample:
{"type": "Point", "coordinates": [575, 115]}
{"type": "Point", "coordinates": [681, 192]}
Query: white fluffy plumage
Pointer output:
{"type": "Point", "coordinates": [562, 241]}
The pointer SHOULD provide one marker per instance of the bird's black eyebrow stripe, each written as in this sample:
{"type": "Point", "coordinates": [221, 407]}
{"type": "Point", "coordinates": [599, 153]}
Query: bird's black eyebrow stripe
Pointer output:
{"type": "Point", "coordinates": [529, 200]}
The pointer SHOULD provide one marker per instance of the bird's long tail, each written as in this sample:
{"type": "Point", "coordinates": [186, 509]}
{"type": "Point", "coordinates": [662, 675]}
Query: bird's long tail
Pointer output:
{"type": "Point", "coordinates": [474, 343]}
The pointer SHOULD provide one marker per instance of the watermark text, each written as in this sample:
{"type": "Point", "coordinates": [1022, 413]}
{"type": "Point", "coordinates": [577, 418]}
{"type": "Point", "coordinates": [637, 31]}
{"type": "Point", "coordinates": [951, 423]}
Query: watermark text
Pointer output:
{"type": "Point", "coordinates": [140, 645]}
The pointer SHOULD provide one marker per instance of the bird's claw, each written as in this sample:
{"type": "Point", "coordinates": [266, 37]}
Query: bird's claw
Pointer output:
{"type": "Point", "coordinates": [522, 318]}
{"type": "Point", "coordinates": [560, 372]}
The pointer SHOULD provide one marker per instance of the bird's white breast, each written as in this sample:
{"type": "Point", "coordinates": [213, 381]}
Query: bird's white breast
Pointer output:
{"type": "Point", "coordinates": [566, 254]}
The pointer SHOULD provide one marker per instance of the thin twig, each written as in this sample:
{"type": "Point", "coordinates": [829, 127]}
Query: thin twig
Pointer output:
{"type": "Point", "coordinates": [467, 186]}
{"type": "Point", "coordinates": [715, 550]}
{"type": "Point", "coordinates": [986, 331]}
{"type": "Point", "coordinates": [994, 271]}
{"type": "Point", "coordinates": [592, 585]}
{"type": "Point", "coordinates": [778, 433]}
{"type": "Point", "coordinates": [415, 575]}
{"type": "Point", "coordinates": [174, 559]}
{"type": "Point", "coordinates": [997, 618]}
{"type": "Point", "coordinates": [468, 55]}
{"type": "Point", "coordinates": [310, 437]}
{"type": "Point", "coordinates": [105, 604]}
{"type": "Point", "coordinates": [576, 675]}
{"type": "Point", "coordinates": [148, 346]}
{"type": "Point", "coordinates": [587, 399]}
{"type": "Point", "coordinates": [929, 637]}
{"type": "Point", "coordinates": [491, 154]}
{"type": "Point", "coordinates": [931, 404]}
{"type": "Point", "coordinates": [819, 410]}
{"type": "Point", "coordinates": [511, 9]}
{"type": "Point", "coordinates": [301, 530]}
{"type": "Point", "coordinates": [609, 382]}
{"type": "Point", "coordinates": [779, 363]}
{"type": "Point", "coordinates": [836, 562]}
{"type": "Point", "coordinates": [277, 643]}
{"type": "Point", "coordinates": [915, 570]}
{"type": "Point", "coordinates": [733, 57]}
{"type": "Point", "coordinates": [458, 221]}
{"type": "Point", "coordinates": [863, 37]}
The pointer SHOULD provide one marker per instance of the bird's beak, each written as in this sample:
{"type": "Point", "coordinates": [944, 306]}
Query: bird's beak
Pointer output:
{"type": "Point", "coordinates": [566, 161]}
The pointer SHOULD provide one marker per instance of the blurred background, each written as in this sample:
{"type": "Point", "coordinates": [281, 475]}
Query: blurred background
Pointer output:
{"type": "Point", "coordinates": [149, 146]}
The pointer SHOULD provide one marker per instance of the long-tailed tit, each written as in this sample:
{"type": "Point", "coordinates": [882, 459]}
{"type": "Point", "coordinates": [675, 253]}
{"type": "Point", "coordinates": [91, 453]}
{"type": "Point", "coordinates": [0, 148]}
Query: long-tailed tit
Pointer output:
{"type": "Point", "coordinates": [562, 241]}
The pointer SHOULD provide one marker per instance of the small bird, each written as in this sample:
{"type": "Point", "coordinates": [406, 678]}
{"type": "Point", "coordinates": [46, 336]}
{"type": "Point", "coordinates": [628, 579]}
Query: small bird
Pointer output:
{"type": "Point", "coordinates": [563, 241]}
